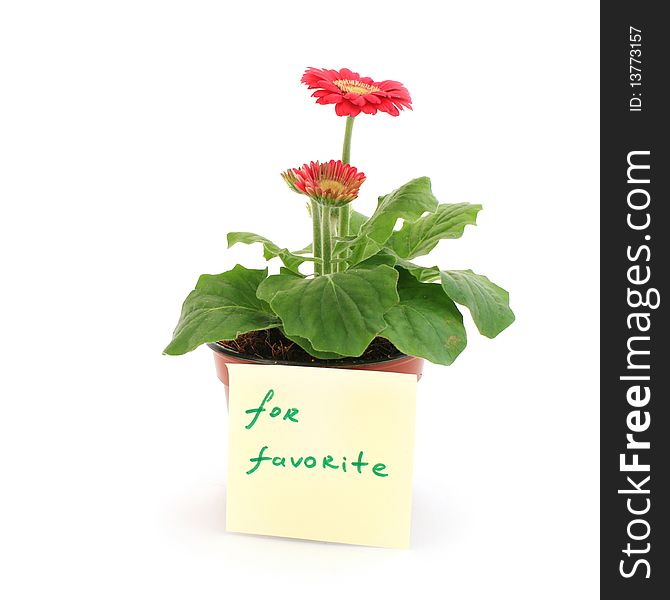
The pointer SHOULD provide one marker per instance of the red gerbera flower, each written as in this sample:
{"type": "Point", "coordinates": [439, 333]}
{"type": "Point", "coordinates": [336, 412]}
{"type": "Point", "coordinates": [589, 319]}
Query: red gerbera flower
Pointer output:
{"type": "Point", "coordinates": [333, 183]}
{"type": "Point", "coordinates": [352, 94]}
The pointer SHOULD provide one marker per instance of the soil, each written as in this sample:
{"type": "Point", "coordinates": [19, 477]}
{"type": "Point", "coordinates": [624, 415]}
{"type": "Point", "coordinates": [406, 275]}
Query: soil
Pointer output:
{"type": "Point", "coordinates": [271, 344]}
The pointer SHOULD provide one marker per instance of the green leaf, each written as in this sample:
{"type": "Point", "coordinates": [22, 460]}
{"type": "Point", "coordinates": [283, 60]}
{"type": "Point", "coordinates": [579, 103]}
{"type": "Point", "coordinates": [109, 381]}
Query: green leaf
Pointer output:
{"type": "Point", "coordinates": [221, 307]}
{"type": "Point", "coordinates": [340, 312]}
{"type": "Point", "coordinates": [270, 250]}
{"type": "Point", "coordinates": [275, 283]}
{"type": "Point", "coordinates": [447, 222]}
{"type": "Point", "coordinates": [425, 322]}
{"type": "Point", "coordinates": [266, 291]}
{"type": "Point", "coordinates": [422, 274]}
{"type": "Point", "coordinates": [408, 202]}
{"type": "Point", "coordinates": [382, 258]}
{"type": "Point", "coordinates": [307, 347]}
{"type": "Point", "coordinates": [356, 221]}
{"type": "Point", "coordinates": [306, 250]}
{"type": "Point", "coordinates": [488, 303]}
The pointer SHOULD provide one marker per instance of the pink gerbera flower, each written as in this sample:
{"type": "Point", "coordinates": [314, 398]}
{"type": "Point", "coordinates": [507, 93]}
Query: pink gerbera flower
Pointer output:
{"type": "Point", "coordinates": [352, 94]}
{"type": "Point", "coordinates": [333, 183]}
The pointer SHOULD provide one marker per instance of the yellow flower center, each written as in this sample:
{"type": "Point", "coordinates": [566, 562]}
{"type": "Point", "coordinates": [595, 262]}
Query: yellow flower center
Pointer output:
{"type": "Point", "coordinates": [331, 185]}
{"type": "Point", "coordinates": [355, 87]}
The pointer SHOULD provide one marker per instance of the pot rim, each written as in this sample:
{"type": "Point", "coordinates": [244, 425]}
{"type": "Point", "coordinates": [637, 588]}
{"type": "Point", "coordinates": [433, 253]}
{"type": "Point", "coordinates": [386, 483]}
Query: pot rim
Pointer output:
{"type": "Point", "coordinates": [350, 361]}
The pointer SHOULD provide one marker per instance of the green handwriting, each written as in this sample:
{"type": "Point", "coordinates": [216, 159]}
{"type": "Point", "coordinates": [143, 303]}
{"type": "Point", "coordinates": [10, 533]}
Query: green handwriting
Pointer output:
{"type": "Point", "coordinates": [289, 415]}
{"type": "Point", "coordinates": [309, 462]}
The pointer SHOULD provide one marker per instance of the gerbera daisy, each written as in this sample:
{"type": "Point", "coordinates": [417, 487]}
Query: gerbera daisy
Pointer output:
{"type": "Point", "coordinates": [352, 94]}
{"type": "Point", "coordinates": [332, 183]}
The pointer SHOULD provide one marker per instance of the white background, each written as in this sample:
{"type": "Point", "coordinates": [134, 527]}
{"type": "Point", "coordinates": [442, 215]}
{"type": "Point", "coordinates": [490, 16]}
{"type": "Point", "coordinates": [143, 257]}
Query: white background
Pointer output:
{"type": "Point", "coordinates": [134, 135]}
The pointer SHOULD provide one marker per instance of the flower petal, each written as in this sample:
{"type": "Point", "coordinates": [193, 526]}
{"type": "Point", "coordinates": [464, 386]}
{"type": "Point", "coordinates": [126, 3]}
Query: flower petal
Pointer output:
{"type": "Point", "coordinates": [346, 109]}
{"type": "Point", "coordinates": [372, 98]}
{"type": "Point", "coordinates": [356, 99]}
{"type": "Point", "coordinates": [347, 74]}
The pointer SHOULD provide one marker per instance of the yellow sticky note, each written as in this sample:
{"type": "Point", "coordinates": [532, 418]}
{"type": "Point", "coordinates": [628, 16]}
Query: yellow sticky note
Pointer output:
{"type": "Point", "coordinates": [321, 454]}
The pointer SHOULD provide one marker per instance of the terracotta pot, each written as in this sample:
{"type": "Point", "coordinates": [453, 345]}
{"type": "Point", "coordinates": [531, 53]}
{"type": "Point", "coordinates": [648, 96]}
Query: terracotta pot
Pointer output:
{"type": "Point", "coordinates": [403, 364]}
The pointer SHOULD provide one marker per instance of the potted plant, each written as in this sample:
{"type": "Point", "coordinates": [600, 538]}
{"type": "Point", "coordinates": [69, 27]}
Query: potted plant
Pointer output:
{"type": "Point", "coordinates": [363, 303]}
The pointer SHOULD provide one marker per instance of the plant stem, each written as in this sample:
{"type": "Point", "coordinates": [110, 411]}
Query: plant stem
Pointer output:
{"type": "Point", "coordinates": [343, 231]}
{"type": "Point", "coordinates": [316, 237]}
{"type": "Point", "coordinates": [345, 211]}
{"type": "Point", "coordinates": [346, 147]}
{"type": "Point", "coordinates": [329, 223]}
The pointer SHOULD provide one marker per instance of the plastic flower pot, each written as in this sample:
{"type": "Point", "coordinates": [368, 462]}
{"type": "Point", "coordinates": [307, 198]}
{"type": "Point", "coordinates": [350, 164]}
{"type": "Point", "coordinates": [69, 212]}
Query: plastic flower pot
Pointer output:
{"type": "Point", "coordinates": [402, 364]}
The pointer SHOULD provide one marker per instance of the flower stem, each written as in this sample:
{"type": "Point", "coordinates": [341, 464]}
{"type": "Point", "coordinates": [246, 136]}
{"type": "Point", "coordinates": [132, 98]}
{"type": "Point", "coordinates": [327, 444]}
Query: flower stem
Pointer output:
{"type": "Point", "coordinates": [329, 223]}
{"type": "Point", "coordinates": [345, 211]}
{"type": "Point", "coordinates": [343, 231]}
{"type": "Point", "coordinates": [316, 237]}
{"type": "Point", "coordinates": [346, 147]}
